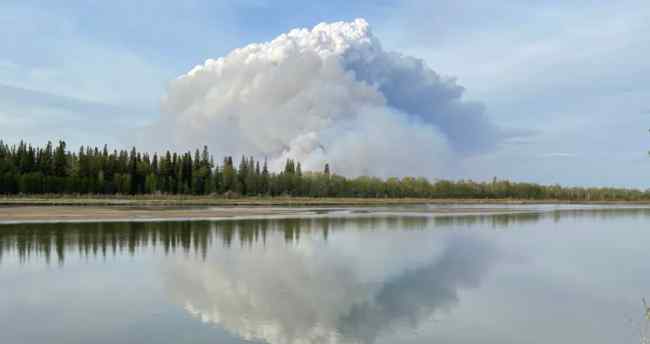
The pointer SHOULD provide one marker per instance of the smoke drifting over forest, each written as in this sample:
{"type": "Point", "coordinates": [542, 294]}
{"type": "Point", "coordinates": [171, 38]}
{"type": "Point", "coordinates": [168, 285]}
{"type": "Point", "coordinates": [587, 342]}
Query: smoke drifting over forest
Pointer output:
{"type": "Point", "coordinates": [329, 94]}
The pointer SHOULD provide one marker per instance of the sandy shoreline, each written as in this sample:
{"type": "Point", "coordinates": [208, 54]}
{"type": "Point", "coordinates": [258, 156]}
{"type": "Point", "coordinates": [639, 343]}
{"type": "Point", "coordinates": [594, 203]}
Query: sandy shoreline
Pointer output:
{"type": "Point", "coordinates": [13, 214]}
{"type": "Point", "coordinates": [170, 208]}
{"type": "Point", "coordinates": [175, 200]}
{"type": "Point", "coordinates": [44, 214]}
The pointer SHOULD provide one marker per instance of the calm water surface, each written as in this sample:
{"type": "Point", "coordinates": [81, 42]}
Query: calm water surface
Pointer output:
{"type": "Point", "coordinates": [556, 276]}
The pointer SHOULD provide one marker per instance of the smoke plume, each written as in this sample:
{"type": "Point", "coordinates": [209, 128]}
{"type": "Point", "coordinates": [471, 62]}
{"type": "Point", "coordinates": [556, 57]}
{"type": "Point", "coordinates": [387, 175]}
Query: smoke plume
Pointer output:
{"type": "Point", "coordinates": [329, 94]}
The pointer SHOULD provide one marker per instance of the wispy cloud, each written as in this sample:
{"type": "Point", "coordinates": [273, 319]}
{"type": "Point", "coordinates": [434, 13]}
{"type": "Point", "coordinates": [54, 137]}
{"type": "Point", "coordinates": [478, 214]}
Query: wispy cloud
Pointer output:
{"type": "Point", "coordinates": [40, 116]}
{"type": "Point", "coordinates": [559, 155]}
{"type": "Point", "coordinates": [19, 96]}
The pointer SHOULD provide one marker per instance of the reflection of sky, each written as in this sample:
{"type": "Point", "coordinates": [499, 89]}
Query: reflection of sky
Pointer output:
{"type": "Point", "coordinates": [348, 290]}
{"type": "Point", "coordinates": [575, 277]}
{"type": "Point", "coordinates": [581, 281]}
{"type": "Point", "coordinates": [418, 293]}
{"type": "Point", "coordinates": [560, 277]}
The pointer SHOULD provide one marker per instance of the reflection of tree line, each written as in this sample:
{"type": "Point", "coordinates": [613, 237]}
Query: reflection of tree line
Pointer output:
{"type": "Point", "coordinates": [514, 219]}
{"type": "Point", "coordinates": [493, 221]}
{"type": "Point", "coordinates": [602, 214]}
{"type": "Point", "coordinates": [102, 239]}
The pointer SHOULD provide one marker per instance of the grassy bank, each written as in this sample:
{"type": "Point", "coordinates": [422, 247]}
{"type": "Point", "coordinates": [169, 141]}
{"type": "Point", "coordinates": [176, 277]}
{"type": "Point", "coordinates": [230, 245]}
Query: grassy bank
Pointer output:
{"type": "Point", "coordinates": [173, 200]}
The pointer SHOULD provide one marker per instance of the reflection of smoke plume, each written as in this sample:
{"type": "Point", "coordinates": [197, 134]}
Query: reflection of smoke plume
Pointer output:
{"type": "Point", "coordinates": [330, 293]}
{"type": "Point", "coordinates": [327, 94]}
{"type": "Point", "coordinates": [418, 293]}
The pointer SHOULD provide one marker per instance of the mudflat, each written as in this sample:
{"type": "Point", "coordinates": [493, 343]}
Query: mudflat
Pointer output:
{"type": "Point", "coordinates": [185, 200]}
{"type": "Point", "coordinates": [68, 213]}
{"type": "Point", "coordinates": [128, 213]}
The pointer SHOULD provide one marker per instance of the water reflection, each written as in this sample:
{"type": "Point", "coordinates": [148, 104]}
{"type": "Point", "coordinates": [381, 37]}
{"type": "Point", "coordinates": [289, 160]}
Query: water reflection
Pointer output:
{"type": "Point", "coordinates": [328, 293]}
{"type": "Point", "coordinates": [417, 294]}
{"type": "Point", "coordinates": [101, 239]}
{"type": "Point", "coordinates": [365, 278]}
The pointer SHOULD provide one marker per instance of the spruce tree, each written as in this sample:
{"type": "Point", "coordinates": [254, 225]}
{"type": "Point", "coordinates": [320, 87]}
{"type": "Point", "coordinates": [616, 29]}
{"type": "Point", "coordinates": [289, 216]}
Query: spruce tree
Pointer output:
{"type": "Point", "coordinates": [60, 169]}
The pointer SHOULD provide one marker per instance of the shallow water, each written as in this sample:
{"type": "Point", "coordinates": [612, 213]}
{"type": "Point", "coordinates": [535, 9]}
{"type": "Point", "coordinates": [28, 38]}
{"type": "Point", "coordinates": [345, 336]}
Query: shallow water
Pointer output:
{"type": "Point", "coordinates": [554, 274]}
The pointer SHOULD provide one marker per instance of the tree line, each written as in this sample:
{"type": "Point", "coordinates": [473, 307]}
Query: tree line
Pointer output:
{"type": "Point", "coordinates": [50, 169]}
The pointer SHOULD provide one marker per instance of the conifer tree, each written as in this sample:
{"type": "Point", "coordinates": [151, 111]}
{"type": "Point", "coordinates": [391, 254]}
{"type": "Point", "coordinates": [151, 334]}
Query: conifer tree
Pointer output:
{"type": "Point", "coordinates": [265, 179]}
{"type": "Point", "coordinates": [60, 169]}
{"type": "Point", "coordinates": [32, 170]}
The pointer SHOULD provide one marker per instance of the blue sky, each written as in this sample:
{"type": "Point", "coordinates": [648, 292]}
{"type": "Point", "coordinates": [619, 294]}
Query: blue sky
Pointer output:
{"type": "Point", "coordinates": [573, 75]}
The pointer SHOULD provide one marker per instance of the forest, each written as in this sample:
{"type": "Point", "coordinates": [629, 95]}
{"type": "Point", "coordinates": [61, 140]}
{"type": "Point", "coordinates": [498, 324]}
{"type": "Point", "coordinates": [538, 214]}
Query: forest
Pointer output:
{"type": "Point", "coordinates": [28, 170]}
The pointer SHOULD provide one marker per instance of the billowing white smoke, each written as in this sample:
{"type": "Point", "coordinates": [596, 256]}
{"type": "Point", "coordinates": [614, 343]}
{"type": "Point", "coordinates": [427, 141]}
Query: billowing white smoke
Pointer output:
{"type": "Point", "coordinates": [330, 94]}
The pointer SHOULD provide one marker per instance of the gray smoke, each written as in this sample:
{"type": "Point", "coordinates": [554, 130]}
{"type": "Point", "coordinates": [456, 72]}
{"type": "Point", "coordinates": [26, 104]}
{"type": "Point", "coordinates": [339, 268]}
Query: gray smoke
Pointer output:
{"type": "Point", "coordinates": [329, 94]}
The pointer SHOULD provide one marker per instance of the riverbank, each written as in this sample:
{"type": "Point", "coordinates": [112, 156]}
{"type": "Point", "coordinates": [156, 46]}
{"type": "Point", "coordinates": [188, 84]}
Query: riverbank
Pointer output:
{"type": "Point", "coordinates": [170, 200]}
{"type": "Point", "coordinates": [72, 213]}
{"type": "Point", "coordinates": [169, 208]}
{"type": "Point", "coordinates": [93, 213]}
